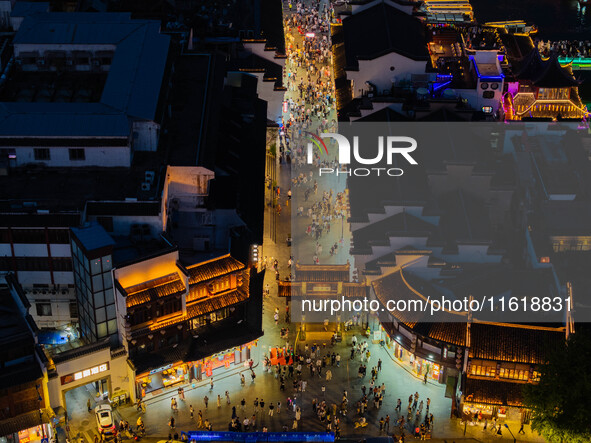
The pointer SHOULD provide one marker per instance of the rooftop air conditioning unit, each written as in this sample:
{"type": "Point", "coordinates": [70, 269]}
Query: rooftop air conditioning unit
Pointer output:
{"type": "Point", "coordinates": [150, 176]}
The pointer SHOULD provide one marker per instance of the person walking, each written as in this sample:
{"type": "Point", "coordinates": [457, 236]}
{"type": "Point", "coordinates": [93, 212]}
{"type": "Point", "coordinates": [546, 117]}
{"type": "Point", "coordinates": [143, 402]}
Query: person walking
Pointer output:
{"type": "Point", "coordinates": [199, 419]}
{"type": "Point", "coordinates": [219, 401]}
{"type": "Point", "coordinates": [521, 430]}
{"type": "Point", "coordinates": [211, 384]}
{"type": "Point", "coordinates": [191, 411]}
{"type": "Point", "coordinates": [227, 397]}
{"type": "Point", "coordinates": [379, 364]}
{"type": "Point", "coordinates": [171, 423]}
{"type": "Point", "coordinates": [271, 409]}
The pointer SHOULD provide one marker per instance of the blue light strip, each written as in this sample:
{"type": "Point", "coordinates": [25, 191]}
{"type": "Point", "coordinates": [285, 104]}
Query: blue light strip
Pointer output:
{"type": "Point", "coordinates": [441, 85]}
{"type": "Point", "coordinates": [252, 437]}
{"type": "Point", "coordinates": [486, 78]}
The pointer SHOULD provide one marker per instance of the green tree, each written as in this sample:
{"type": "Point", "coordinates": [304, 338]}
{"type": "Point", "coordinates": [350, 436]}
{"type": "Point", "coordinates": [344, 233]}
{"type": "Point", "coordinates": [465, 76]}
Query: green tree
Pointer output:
{"type": "Point", "coordinates": [561, 401]}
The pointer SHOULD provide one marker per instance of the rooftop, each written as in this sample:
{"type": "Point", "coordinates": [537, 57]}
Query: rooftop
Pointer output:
{"type": "Point", "coordinates": [380, 30]}
{"type": "Point", "coordinates": [68, 189]}
{"type": "Point", "coordinates": [93, 236]}
{"type": "Point", "coordinates": [513, 343]}
{"type": "Point", "coordinates": [213, 268]}
{"type": "Point", "coordinates": [132, 87]}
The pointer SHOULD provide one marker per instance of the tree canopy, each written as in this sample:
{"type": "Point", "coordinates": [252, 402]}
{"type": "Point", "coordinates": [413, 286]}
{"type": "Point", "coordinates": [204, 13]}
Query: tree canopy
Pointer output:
{"type": "Point", "coordinates": [561, 401]}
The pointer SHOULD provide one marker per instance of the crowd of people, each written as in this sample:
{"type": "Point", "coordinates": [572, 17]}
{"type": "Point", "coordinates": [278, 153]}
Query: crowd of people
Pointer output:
{"type": "Point", "coordinates": [566, 48]}
{"type": "Point", "coordinates": [314, 364]}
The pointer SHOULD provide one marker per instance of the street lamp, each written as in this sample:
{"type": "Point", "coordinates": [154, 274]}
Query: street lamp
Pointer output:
{"type": "Point", "coordinates": [507, 426]}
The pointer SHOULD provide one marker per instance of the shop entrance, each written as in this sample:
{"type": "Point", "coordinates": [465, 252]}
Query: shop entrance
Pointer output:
{"type": "Point", "coordinates": [158, 380]}
{"type": "Point", "coordinates": [79, 398]}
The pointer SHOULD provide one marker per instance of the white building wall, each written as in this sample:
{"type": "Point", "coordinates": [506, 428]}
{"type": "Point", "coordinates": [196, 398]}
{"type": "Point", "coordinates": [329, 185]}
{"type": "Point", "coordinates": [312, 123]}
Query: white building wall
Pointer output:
{"type": "Point", "coordinates": [30, 250]}
{"type": "Point", "coordinates": [120, 374]}
{"type": "Point", "coordinates": [60, 310]}
{"type": "Point", "coordinates": [5, 250]}
{"type": "Point", "coordinates": [472, 254]}
{"type": "Point", "coordinates": [145, 135]}
{"type": "Point", "coordinates": [378, 72]}
{"type": "Point", "coordinates": [274, 99]}
{"type": "Point", "coordinates": [108, 156]}
{"type": "Point", "coordinates": [29, 278]}
{"type": "Point", "coordinates": [258, 48]}
{"type": "Point", "coordinates": [60, 250]}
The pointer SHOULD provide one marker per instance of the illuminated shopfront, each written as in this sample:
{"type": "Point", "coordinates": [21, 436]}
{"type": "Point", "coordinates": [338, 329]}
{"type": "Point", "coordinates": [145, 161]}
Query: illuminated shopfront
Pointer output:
{"type": "Point", "coordinates": [33, 434]}
{"type": "Point", "coordinates": [217, 363]}
{"type": "Point", "coordinates": [420, 366]}
{"type": "Point", "coordinates": [36, 433]}
{"type": "Point", "coordinates": [162, 377]}
{"type": "Point", "coordinates": [174, 375]}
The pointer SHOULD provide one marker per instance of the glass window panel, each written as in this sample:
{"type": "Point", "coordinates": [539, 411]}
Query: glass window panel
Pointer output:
{"type": "Point", "coordinates": [87, 278]}
{"type": "Point", "coordinates": [111, 312]}
{"type": "Point", "coordinates": [101, 315]}
{"type": "Point", "coordinates": [95, 266]}
{"type": "Point", "coordinates": [97, 283]}
{"type": "Point", "coordinates": [112, 326]}
{"type": "Point", "coordinates": [107, 263]}
{"type": "Point", "coordinates": [109, 296]}
{"type": "Point", "coordinates": [99, 299]}
{"type": "Point", "coordinates": [101, 330]}
{"type": "Point", "coordinates": [107, 280]}
{"type": "Point", "coordinates": [85, 261]}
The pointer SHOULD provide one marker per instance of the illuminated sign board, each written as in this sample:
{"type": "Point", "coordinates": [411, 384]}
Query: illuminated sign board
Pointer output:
{"type": "Point", "coordinates": [95, 370]}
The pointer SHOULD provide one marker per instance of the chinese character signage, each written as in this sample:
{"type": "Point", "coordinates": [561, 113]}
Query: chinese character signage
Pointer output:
{"type": "Point", "coordinates": [95, 370]}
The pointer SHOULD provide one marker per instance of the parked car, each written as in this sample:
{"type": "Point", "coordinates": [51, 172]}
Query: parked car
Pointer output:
{"type": "Point", "coordinates": [104, 421]}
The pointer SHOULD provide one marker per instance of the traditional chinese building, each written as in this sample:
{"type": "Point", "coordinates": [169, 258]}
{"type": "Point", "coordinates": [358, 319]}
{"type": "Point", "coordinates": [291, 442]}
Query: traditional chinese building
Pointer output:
{"type": "Point", "coordinates": [542, 89]}
{"type": "Point", "coordinates": [317, 283]}
{"type": "Point", "coordinates": [183, 323]}
{"type": "Point", "coordinates": [502, 359]}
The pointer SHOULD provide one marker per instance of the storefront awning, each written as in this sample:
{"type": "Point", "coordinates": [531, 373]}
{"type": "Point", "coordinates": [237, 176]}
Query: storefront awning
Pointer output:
{"type": "Point", "coordinates": [24, 421]}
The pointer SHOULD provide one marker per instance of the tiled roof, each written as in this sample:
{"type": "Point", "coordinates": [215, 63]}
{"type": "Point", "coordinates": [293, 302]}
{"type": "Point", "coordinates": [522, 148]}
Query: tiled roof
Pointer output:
{"type": "Point", "coordinates": [513, 344]}
{"type": "Point", "coordinates": [214, 303]}
{"type": "Point", "coordinates": [158, 288]}
{"type": "Point", "coordinates": [322, 273]}
{"type": "Point", "coordinates": [23, 421]}
{"type": "Point", "coordinates": [288, 288]}
{"type": "Point", "coordinates": [213, 268]}
{"type": "Point", "coordinates": [452, 333]}
{"type": "Point", "coordinates": [494, 392]}
{"type": "Point", "coordinates": [394, 287]}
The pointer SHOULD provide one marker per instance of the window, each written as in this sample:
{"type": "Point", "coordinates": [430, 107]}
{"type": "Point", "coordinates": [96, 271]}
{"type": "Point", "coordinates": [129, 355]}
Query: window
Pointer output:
{"type": "Point", "coordinates": [61, 236]}
{"type": "Point", "coordinates": [32, 263]}
{"type": "Point", "coordinates": [43, 309]}
{"type": "Point", "coordinates": [77, 154]}
{"type": "Point", "coordinates": [514, 372]}
{"type": "Point", "coordinates": [42, 154]}
{"type": "Point", "coordinates": [171, 306]}
{"type": "Point", "coordinates": [62, 264]}
{"type": "Point", "coordinates": [483, 368]}
{"type": "Point", "coordinates": [28, 236]}
{"type": "Point", "coordinates": [73, 310]}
